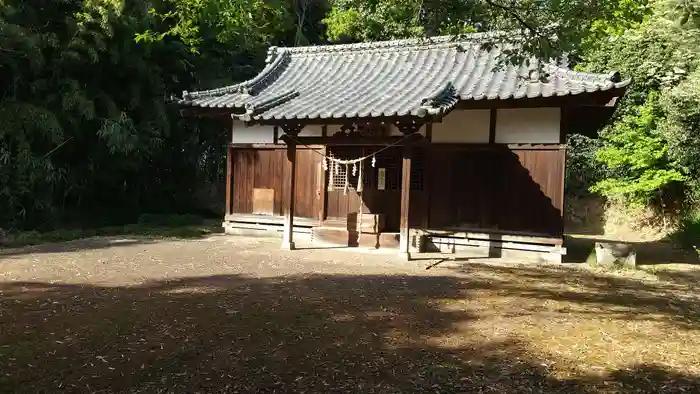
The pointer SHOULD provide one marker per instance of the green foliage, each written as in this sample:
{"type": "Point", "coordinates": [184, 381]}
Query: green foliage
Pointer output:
{"type": "Point", "coordinates": [636, 156]}
{"type": "Point", "coordinates": [244, 22]}
{"type": "Point", "coordinates": [358, 20]}
{"type": "Point", "coordinates": [685, 12]}
{"type": "Point", "coordinates": [651, 147]}
{"type": "Point", "coordinates": [681, 128]}
{"type": "Point", "coordinates": [551, 28]}
{"type": "Point", "coordinates": [582, 171]}
{"type": "Point", "coordinates": [625, 15]}
{"type": "Point", "coordinates": [688, 233]}
{"type": "Point", "coordinates": [85, 129]}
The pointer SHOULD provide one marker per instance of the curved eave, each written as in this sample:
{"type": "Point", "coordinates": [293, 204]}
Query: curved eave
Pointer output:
{"type": "Point", "coordinates": [624, 84]}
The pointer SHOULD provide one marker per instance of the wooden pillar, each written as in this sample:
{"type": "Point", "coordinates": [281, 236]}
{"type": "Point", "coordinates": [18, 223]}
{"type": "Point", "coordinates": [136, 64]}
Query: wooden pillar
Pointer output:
{"type": "Point", "coordinates": [229, 181]}
{"type": "Point", "coordinates": [405, 198]}
{"type": "Point", "coordinates": [291, 133]}
{"type": "Point", "coordinates": [427, 158]}
{"type": "Point", "coordinates": [408, 128]}
{"type": "Point", "coordinates": [322, 187]}
{"type": "Point", "coordinates": [563, 130]}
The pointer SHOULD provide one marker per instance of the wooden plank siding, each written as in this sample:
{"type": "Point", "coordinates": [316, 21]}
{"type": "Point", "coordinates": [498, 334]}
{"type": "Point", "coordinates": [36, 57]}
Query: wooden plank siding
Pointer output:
{"type": "Point", "coordinates": [307, 200]}
{"type": "Point", "coordinates": [490, 187]}
{"type": "Point", "coordinates": [497, 188]}
{"type": "Point", "coordinates": [268, 169]}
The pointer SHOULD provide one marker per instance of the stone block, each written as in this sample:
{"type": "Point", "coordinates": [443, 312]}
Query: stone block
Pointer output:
{"type": "Point", "coordinates": [615, 254]}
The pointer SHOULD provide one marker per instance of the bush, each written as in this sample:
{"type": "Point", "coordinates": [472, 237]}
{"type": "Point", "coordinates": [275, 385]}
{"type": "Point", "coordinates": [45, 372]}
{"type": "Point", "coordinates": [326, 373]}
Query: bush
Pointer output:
{"type": "Point", "coordinates": [582, 170]}
{"type": "Point", "coordinates": [688, 233]}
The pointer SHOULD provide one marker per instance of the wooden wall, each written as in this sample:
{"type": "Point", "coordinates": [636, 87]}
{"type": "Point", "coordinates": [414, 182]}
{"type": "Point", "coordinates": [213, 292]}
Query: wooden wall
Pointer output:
{"type": "Point", "coordinates": [267, 168]}
{"type": "Point", "coordinates": [481, 187]}
{"type": "Point", "coordinates": [494, 187]}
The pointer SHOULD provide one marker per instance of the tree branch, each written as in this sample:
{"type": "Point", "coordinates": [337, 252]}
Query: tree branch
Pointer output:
{"type": "Point", "coordinates": [511, 10]}
{"type": "Point", "coordinates": [514, 14]}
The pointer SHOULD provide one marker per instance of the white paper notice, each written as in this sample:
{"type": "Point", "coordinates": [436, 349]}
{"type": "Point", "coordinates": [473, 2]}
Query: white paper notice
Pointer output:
{"type": "Point", "coordinates": [381, 179]}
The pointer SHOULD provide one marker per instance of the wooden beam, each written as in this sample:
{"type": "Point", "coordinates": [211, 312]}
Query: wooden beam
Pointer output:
{"type": "Point", "coordinates": [275, 220]}
{"type": "Point", "coordinates": [361, 141]}
{"type": "Point", "coordinates": [429, 133]}
{"type": "Point", "coordinates": [273, 146]}
{"type": "Point", "coordinates": [427, 159]}
{"type": "Point", "coordinates": [596, 99]}
{"type": "Point", "coordinates": [467, 232]}
{"type": "Point", "coordinates": [229, 181]}
{"type": "Point", "coordinates": [345, 121]}
{"type": "Point", "coordinates": [405, 199]}
{"type": "Point", "coordinates": [499, 244]}
{"type": "Point", "coordinates": [457, 146]}
{"type": "Point", "coordinates": [288, 232]}
{"type": "Point", "coordinates": [291, 179]}
{"type": "Point", "coordinates": [322, 189]}
{"type": "Point", "coordinates": [492, 125]}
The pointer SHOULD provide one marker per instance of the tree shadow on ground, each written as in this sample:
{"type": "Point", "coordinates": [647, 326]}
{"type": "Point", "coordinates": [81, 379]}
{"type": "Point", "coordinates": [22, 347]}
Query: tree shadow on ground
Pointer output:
{"type": "Point", "coordinates": [601, 295]}
{"type": "Point", "coordinates": [78, 245]}
{"type": "Point", "coordinates": [80, 240]}
{"type": "Point", "coordinates": [314, 334]}
{"type": "Point", "coordinates": [582, 250]}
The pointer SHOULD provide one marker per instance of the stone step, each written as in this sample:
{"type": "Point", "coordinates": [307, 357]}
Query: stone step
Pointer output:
{"type": "Point", "coordinates": [344, 237]}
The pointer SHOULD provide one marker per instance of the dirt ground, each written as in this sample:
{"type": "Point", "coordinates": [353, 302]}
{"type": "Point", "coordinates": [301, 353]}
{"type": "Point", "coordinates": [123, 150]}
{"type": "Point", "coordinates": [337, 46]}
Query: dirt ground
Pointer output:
{"type": "Point", "coordinates": [238, 315]}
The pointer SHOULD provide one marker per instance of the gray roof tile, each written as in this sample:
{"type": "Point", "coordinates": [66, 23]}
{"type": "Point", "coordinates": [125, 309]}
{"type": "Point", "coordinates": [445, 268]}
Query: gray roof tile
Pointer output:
{"type": "Point", "coordinates": [388, 78]}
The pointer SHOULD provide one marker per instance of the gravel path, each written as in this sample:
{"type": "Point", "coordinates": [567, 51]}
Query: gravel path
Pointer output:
{"type": "Point", "coordinates": [234, 314]}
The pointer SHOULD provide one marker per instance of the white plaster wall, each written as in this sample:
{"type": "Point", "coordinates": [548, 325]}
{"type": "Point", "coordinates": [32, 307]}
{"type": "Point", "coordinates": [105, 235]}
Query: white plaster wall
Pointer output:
{"type": "Point", "coordinates": [463, 126]}
{"type": "Point", "coordinates": [257, 134]}
{"type": "Point", "coordinates": [528, 125]}
{"type": "Point", "coordinates": [395, 132]}
{"type": "Point", "coordinates": [311, 131]}
{"type": "Point", "coordinates": [513, 126]}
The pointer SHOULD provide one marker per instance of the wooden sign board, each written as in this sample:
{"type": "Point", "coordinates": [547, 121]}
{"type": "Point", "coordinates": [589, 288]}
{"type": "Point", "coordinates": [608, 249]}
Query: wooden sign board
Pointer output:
{"type": "Point", "coordinates": [264, 201]}
{"type": "Point", "coordinates": [381, 179]}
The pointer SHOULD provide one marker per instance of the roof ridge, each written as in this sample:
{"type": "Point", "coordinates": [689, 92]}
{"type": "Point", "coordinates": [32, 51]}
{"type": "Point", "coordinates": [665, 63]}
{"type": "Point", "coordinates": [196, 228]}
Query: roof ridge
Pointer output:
{"type": "Point", "coordinates": [612, 76]}
{"type": "Point", "coordinates": [393, 44]}
{"type": "Point", "coordinates": [272, 64]}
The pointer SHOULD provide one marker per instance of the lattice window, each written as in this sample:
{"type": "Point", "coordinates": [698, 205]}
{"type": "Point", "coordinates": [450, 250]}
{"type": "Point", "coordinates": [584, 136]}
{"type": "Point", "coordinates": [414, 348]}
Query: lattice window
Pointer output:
{"type": "Point", "coordinates": [340, 176]}
{"type": "Point", "coordinates": [341, 173]}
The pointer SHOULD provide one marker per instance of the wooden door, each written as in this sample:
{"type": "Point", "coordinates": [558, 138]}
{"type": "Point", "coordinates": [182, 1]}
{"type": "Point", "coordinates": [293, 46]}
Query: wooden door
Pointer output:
{"type": "Point", "coordinates": [259, 185]}
{"type": "Point", "coordinates": [380, 195]}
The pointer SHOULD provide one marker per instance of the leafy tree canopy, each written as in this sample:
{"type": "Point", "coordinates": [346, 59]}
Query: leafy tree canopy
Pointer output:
{"type": "Point", "coordinates": [85, 128]}
{"type": "Point", "coordinates": [550, 28]}
{"type": "Point", "coordinates": [653, 143]}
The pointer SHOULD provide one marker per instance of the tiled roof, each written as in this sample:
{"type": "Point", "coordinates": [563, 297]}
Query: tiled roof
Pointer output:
{"type": "Point", "coordinates": [390, 78]}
